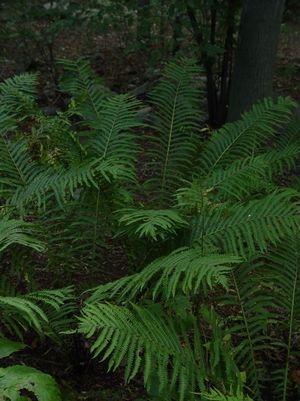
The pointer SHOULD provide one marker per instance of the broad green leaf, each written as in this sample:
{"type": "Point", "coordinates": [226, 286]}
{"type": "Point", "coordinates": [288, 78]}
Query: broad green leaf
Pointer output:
{"type": "Point", "coordinates": [8, 347]}
{"type": "Point", "coordinates": [17, 377]}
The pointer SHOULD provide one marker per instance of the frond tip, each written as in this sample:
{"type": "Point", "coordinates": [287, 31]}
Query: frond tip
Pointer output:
{"type": "Point", "coordinates": [153, 224]}
{"type": "Point", "coordinates": [19, 232]}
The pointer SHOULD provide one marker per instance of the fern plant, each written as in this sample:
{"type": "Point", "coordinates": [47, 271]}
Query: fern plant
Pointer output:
{"type": "Point", "coordinates": [283, 267]}
{"type": "Point", "coordinates": [233, 206]}
{"type": "Point", "coordinates": [20, 313]}
{"type": "Point", "coordinates": [211, 310]}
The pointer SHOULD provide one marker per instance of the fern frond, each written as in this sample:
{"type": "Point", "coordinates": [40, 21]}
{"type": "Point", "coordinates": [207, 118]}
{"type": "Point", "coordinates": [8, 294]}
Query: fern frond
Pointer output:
{"type": "Point", "coordinates": [176, 119]}
{"type": "Point", "coordinates": [284, 268]}
{"type": "Point", "coordinates": [16, 166]}
{"type": "Point", "coordinates": [152, 224]}
{"type": "Point", "coordinates": [184, 270]}
{"type": "Point", "coordinates": [289, 134]}
{"type": "Point", "coordinates": [112, 136]}
{"type": "Point", "coordinates": [18, 313]}
{"type": "Point", "coordinates": [87, 89]}
{"type": "Point", "coordinates": [62, 181]}
{"type": "Point", "coordinates": [244, 228]}
{"type": "Point", "coordinates": [239, 179]}
{"type": "Point", "coordinates": [8, 347]}
{"type": "Point", "coordinates": [59, 306]}
{"type": "Point", "coordinates": [249, 325]}
{"type": "Point", "coordinates": [166, 346]}
{"type": "Point", "coordinates": [19, 232]}
{"type": "Point", "coordinates": [243, 138]}
{"type": "Point", "coordinates": [283, 160]}
{"type": "Point", "coordinates": [18, 93]}
{"type": "Point", "coordinates": [145, 339]}
{"type": "Point", "coordinates": [52, 298]}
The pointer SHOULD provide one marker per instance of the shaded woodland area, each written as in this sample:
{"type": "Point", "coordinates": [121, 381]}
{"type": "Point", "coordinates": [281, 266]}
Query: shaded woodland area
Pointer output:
{"type": "Point", "coordinates": [149, 200]}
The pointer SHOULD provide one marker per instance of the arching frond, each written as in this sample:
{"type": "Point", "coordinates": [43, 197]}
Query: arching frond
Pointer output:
{"type": "Point", "coordinates": [246, 228]}
{"type": "Point", "coordinates": [16, 166]}
{"type": "Point", "coordinates": [86, 88]}
{"type": "Point", "coordinates": [112, 136]}
{"type": "Point", "coordinates": [62, 181]}
{"type": "Point", "coordinates": [19, 313]}
{"type": "Point", "coordinates": [176, 120]}
{"type": "Point", "coordinates": [149, 339]}
{"type": "Point", "coordinates": [152, 224]}
{"type": "Point", "coordinates": [289, 134]}
{"type": "Point", "coordinates": [46, 311]}
{"type": "Point", "coordinates": [8, 347]}
{"type": "Point", "coordinates": [60, 308]}
{"type": "Point", "coordinates": [243, 138]}
{"type": "Point", "coordinates": [184, 270]}
{"type": "Point", "coordinates": [145, 339]}
{"type": "Point", "coordinates": [18, 93]}
{"type": "Point", "coordinates": [283, 160]}
{"type": "Point", "coordinates": [239, 179]}
{"type": "Point", "coordinates": [249, 324]}
{"type": "Point", "coordinates": [19, 232]}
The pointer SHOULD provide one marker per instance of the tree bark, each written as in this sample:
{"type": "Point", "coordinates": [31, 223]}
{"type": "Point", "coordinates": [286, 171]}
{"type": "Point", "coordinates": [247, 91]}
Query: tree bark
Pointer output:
{"type": "Point", "coordinates": [256, 54]}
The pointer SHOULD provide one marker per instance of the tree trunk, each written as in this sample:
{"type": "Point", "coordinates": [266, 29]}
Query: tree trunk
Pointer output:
{"type": "Point", "coordinates": [256, 54]}
{"type": "Point", "coordinates": [218, 69]}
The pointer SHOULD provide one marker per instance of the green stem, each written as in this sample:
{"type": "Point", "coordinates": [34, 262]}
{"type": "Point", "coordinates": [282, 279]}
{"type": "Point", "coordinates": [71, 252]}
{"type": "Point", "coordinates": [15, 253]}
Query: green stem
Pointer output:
{"type": "Point", "coordinates": [170, 136]}
{"type": "Point", "coordinates": [241, 303]}
{"type": "Point", "coordinates": [286, 370]}
{"type": "Point", "coordinates": [95, 227]}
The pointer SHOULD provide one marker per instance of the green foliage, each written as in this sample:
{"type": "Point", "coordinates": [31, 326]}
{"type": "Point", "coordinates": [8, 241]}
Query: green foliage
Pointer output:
{"type": "Point", "coordinates": [255, 223]}
{"type": "Point", "coordinates": [19, 314]}
{"type": "Point", "coordinates": [8, 347]}
{"type": "Point", "coordinates": [175, 123]}
{"type": "Point", "coordinates": [211, 231]}
{"type": "Point", "coordinates": [284, 268]}
{"type": "Point", "coordinates": [18, 232]}
{"type": "Point", "coordinates": [87, 90]}
{"type": "Point", "coordinates": [245, 137]}
{"type": "Point", "coordinates": [216, 395]}
{"type": "Point", "coordinates": [150, 339]}
{"type": "Point", "coordinates": [153, 224]}
{"type": "Point", "coordinates": [185, 271]}
{"type": "Point", "coordinates": [16, 378]}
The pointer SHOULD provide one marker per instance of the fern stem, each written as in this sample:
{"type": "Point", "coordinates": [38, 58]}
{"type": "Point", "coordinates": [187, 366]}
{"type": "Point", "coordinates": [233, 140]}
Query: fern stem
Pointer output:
{"type": "Point", "coordinates": [286, 370]}
{"type": "Point", "coordinates": [13, 160]}
{"type": "Point", "coordinates": [248, 333]}
{"type": "Point", "coordinates": [202, 223]}
{"type": "Point", "coordinates": [95, 227]}
{"type": "Point", "coordinates": [109, 135]}
{"type": "Point", "coordinates": [163, 181]}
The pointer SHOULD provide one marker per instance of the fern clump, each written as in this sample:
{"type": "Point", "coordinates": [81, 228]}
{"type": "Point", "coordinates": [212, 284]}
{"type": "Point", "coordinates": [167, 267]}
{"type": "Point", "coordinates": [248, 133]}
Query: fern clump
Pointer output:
{"type": "Point", "coordinates": [209, 228]}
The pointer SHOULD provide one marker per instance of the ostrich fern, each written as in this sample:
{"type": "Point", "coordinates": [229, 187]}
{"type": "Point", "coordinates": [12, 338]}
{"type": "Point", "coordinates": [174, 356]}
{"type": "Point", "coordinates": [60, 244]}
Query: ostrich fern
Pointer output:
{"type": "Point", "coordinates": [225, 228]}
{"type": "Point", "coordinates": [234, 206]}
